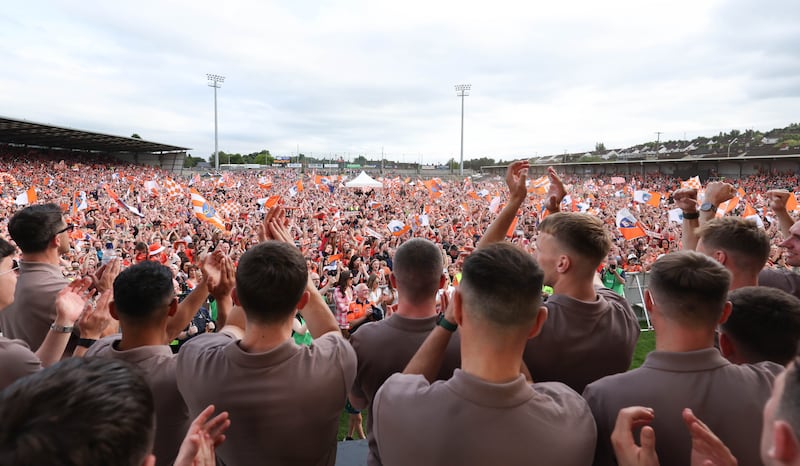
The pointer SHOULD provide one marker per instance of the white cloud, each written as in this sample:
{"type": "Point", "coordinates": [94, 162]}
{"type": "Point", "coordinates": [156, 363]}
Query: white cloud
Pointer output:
{"type": "Point", "coordinates": [356, 76]}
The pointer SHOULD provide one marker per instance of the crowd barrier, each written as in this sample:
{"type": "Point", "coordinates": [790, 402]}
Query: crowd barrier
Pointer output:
{"type": "Point", "coordinates": [635, 283]}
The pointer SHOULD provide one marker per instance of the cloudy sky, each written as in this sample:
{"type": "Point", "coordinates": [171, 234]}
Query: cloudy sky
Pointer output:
{"type": "Point", "coordinates": [357, 77]}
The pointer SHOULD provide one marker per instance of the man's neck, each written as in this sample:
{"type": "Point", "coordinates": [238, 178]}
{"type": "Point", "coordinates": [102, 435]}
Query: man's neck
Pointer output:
{"type": "Point", "coordinates": [581, 289]}
{"type": "Point", "coordinates": [259, 338]}
{"type": "Point", "coordinates": [675, 339]}
{"type": "Point", "coordinates": [415, 311]}
{"type": "Point", "coordinates": [136, 337]}
{"type": "Point", "coordinates": [489, 361]}
{"type": "Point", "coordinates": [48, 256]}
{"type": "Point", "coordinates": [740, 280]}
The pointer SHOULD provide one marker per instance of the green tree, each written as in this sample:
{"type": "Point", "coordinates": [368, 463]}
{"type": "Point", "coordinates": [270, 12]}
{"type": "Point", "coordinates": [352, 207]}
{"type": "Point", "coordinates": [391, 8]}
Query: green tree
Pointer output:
{"type": "Point", "coordinates": [360, 160]}
{"type": "Point", "coordinates": [191, 162]}
{"type": "Point", "coordinates": [599, 147]}
{"type": "Point", "coordinates": [136, 136]}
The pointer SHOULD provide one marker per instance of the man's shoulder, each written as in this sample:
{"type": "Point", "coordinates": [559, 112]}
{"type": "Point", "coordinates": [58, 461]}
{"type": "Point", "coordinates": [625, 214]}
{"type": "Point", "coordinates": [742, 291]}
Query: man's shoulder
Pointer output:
{"type": "Point", "coordinates": [400, 386]}
{"type": "Point", "coordinates": [205, 343]}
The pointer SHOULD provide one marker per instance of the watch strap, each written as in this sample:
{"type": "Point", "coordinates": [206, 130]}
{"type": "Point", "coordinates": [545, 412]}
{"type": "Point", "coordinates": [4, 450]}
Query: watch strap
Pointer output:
{"type": "Point", "coordinates": [446, 324]}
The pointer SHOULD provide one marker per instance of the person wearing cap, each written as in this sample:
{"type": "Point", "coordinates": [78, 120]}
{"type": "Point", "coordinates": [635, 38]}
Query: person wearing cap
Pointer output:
{"type": "Point", "coordinates": [613, 277]}
{"type": "Point", "coordinates": [155, 252]}
{"type": "Point", "coordinates": [632, 265]}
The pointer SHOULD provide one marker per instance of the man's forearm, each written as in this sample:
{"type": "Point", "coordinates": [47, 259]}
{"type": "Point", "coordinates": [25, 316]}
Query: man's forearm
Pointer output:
{"type": "Point", "coordinates": [497, 230]}
{"type": "Point", "coordinates": [689, 234]}
{"type": "Point", "coordinates": [785, 222]}
{"type": "Point", "coordinates": [428, 358]}
{"type": "Point", "coordinates": [187, 310]}
{"type": "Point", "coordinates": [318, 316]}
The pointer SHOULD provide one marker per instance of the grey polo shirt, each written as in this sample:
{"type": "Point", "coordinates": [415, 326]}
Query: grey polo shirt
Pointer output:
{"type": "Point", "coordinates": [728, 398]}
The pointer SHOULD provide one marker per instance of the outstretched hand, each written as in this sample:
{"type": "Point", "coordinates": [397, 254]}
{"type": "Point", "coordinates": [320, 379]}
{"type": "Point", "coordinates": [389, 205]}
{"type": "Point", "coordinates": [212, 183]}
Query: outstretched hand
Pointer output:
{"type": "Point", "coordinates": [556, 193]}
{"type": "Point", "coordinates": [625, 448]}
{"type": "Point", "coordinates": [203, 436]}
{"type": "Point", "coordinates": [707, 448]}
{"type": "Point", "coordinates": [516, 177]}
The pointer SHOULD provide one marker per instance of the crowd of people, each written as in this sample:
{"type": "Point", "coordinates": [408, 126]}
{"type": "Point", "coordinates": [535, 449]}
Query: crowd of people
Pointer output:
{"type": "Point", "coordinates": [280, 298]}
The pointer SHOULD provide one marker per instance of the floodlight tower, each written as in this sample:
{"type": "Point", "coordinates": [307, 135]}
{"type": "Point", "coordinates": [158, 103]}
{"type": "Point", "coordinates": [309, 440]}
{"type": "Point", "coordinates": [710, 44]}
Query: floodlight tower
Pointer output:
{"type": "Point", "coordinates": [215, 81]}
{"type": "Point", "coordinates": [462, 90]}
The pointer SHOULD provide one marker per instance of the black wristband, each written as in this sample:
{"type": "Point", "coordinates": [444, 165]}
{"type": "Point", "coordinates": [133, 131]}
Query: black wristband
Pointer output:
{"type": "Point", "coordinates": [691, 215]}
{"type": "Point", "coordinates": [85, 342]}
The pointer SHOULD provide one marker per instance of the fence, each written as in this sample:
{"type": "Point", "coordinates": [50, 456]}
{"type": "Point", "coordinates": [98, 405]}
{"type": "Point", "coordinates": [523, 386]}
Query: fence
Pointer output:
{"type": "Point", "coordinates": [635, 283]}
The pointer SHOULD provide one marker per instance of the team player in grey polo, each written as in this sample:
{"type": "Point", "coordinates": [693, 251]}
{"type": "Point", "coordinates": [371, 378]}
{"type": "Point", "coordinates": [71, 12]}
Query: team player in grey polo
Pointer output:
{"type": "Point", "coordinates": [385, 347]}
{"type": "Point", "coordinates": [687, 298]}
{"type": "Point", "coordinates": [284, 399]}
{"type": "Point", "coordinates": [487, 413]}
{"type": "Point", "coordinates": [591, 331]}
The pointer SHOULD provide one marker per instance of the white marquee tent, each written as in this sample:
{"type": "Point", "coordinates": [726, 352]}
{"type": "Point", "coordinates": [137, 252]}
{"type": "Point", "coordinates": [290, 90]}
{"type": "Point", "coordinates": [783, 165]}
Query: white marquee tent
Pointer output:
{"type": "Point", "coordinates": [363, 181]}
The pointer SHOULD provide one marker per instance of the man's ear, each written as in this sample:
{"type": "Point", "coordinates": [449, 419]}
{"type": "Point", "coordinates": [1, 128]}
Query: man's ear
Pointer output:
{"type": "Point", "coordinates": [785, 447]}
{"type": "Point", "coordinates": [726, 346]}
{"type": "Point", "coordinates": [721, 256]}
{"type": "Point", "coordinates": [303, 300]}
{"type": "Point", "coordinates": [726, 312]}
{"type": "Point", "coordinates": [648, 301]}
{"type": "Point", "coordinates": [458, 309]}
{"type": "Point", "coordinates": [541, 318]}
{"type": "Point", "coordinates": [112, 309]}
{"type": "Point", "coordinates": [563, 264]}
{"type": "Point", "coordinates": [173, 307]}
{"type": "Point", "coordinates": [235, 297]}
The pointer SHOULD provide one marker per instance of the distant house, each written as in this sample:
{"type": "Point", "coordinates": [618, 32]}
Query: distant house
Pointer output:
{"type": "Point", "coordinates": [769, 141]}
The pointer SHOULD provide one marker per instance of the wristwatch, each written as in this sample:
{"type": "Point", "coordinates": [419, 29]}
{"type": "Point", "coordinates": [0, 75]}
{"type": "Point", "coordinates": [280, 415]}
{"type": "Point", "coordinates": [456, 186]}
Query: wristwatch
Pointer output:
{"type": "Point", "coordinates": [446, 324]}
{"type": "Point", "coordinates": [708, 207]}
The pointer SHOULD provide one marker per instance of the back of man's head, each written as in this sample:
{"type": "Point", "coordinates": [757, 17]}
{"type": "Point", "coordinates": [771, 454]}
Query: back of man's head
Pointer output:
{"type": "Point", "coordinates": [690, 288]}
{"type": "Point", "coordinates": [583, 235]}
{"type": "Point", "coordinates": [741, 239]}
{"type": "Point", "coordinates": [417, 269]}
{"type": "Point", "coordinates": [143, 292]}
{"type": "Point", "coordinates": [79, 412]}
{"type": "Point", "coordinates": [502, 285]}
{"type": "Point", "coordinates": [33, 227]}
{"type": "Point", "coordinates": [270, 280]}
{"type": "Point", "coordinates": [764, 324]}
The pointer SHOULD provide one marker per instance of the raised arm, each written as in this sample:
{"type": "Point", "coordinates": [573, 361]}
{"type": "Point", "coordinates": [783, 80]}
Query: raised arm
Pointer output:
{"type": "Point", "coordinates": [516, 174]}
{"type": "Point", "coordinates": [316, 313]}
{"type": "Point", "coordinates": [428, 359]}
{"type": "Point", "coordinates": [686, 200]}
{"type": "Point", "coordinates": [777, 202]}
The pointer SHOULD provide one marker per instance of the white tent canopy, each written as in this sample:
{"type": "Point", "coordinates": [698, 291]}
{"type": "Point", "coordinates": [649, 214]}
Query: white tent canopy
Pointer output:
{"type": "Point", "coordinates": [363, 181]}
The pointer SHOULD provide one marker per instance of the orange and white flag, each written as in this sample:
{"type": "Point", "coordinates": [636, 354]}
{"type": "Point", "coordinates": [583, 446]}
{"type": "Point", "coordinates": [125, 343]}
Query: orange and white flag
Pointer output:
{"type": "Point", "coordinates": [204, 211]}
{"type": "Point", "coordinates": [27, 197]}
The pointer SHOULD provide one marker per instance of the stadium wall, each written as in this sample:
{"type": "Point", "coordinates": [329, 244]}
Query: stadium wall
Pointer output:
{"type": "Point", "coordinates": [172, 161]}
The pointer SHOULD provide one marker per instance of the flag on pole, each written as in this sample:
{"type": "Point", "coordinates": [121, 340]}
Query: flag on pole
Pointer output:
{"type": "Point", "coordinates": [752, 215]}
{"type": "Point", "coordinates": [398, 228]}
{"type": "Point", "coordinates": [173, 189]}
{"type": "Point", "coordinates": [540, 185]}
{"type": "Point", "coordinates": [27, 197]}
{"type": "Point", "coordinates": [676, 215]}
{"type": "Point", "coordinates": [264, 182]}
{"type": "Point", "coordinates": [692, 183]}
{"type": "Point", "coordinates": [204, 211]}
{"type": "Point", "coordinates": [229, 209]}
{"type": "Point", "coordinates": [628, 226]}
{"type": "Point", "coordinates": [512, 227]}
{"type": "Point", "coordinates": [371, 232]}
{"type": "Point", "coordinates": [727, 207]}
{"type": "Point", "coordinates": [120, 202]}
{"type": "Point", "coordinates": [647, 197]}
